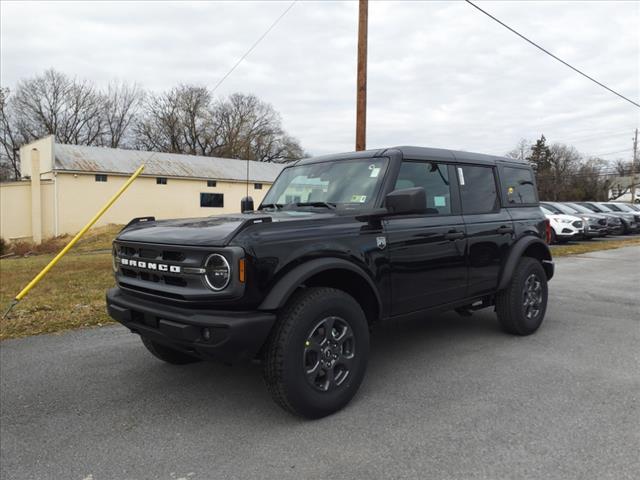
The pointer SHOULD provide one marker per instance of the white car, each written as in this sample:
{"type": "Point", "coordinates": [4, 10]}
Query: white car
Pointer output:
{"type": "Point", "coordinates": [563, 227]}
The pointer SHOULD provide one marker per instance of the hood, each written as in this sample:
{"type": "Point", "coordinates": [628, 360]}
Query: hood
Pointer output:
{"type": "Point", "coordinates": [558, 217]}
{"type": "Point", "coordinates": [214, 231]}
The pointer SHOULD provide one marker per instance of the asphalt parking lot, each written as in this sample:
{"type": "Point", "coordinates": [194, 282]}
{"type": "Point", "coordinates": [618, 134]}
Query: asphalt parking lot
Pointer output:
{"type": "Point", "coordinates": [447, 397]}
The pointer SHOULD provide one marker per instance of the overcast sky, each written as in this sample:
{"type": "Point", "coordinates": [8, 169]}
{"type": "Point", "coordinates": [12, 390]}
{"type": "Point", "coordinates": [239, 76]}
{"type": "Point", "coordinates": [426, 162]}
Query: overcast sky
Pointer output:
{"type": "Point", "coordinates": [440, 73]}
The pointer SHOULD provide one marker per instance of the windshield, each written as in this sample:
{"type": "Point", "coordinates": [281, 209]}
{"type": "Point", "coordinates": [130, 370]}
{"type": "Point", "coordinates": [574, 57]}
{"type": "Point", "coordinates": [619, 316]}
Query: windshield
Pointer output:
{"type": "Point", "coordinates": [619, 207]}
{"type": "Point", "coordinates": [591, 207]}
{"type": "Point", "coordinates": [603, 208]}
{"type": "Point", "coordinates": [553, 208]}
{"type": "Point", "coordinates": [342, 183]}
{"type": "Point", "coordinates": [580, 208]}
{"type": "Point", "coordinates": [566, 209]}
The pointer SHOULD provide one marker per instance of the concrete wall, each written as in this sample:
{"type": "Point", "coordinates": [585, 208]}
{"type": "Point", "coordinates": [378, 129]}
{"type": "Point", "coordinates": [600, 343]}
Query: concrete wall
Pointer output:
{"type": "Point", "coordinates": [80, 197]}
{"type": "Point", "coordinates": [15, 210]}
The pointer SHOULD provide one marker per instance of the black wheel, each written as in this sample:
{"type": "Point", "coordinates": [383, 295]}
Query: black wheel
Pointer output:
{"type": "Point", "coordinates": [168, 354]}
{"type": "Point", "coordinates": [317, 354]}
{"type": "Point", "coordinates": [522, 305]}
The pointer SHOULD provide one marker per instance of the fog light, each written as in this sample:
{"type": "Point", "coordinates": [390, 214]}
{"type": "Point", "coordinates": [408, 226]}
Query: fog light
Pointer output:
{"type": "Point", "coordinates": [206, 334]}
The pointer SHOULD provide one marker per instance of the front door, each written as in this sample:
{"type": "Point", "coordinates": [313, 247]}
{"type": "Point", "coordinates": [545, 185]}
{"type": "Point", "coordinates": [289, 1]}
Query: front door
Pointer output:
{"type": "Point", "coordinates": [427, 251]}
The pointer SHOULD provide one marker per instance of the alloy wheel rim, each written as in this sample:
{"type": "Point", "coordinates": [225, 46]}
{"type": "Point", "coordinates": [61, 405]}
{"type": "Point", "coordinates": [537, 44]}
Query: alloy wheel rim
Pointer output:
{"type": "Point", "coordinates": [329, 354]}
{"type": "Point", "coordinates": [532, 296]}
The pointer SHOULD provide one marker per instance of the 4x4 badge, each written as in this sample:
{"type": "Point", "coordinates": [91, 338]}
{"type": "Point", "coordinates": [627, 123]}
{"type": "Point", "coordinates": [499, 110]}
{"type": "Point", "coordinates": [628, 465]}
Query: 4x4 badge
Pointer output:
{"type": "Point", "coordinates": [382, 242]}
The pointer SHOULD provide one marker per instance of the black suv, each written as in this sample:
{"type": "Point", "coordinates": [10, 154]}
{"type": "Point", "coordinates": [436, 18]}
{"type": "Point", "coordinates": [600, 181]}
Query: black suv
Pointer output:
{"type": "Point", "coordinates": [339, 243]}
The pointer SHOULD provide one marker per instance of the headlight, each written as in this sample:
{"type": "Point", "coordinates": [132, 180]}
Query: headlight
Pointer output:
{"type": "Point", "coordinates": [565, 220]}
{"type": "Point", "coordinates": [217, 272]}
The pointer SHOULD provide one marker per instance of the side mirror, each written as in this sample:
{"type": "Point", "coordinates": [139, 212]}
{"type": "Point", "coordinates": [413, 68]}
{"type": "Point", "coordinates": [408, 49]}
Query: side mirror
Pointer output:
{"type": "Point", "coordinates": [246, 204]}
{"type": "Point", "coordinates": [407, 200]}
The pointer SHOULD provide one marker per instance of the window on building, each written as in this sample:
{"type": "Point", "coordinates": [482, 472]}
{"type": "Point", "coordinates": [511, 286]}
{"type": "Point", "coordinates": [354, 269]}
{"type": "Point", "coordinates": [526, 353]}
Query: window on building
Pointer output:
{"type": "Point", "coordinates": [477, 189]}
{"type": "Point", "coordinates": [518, 185]}
{"type": "Point", "coordinates": [212, 200]}
{"type": "Point", "coordinates": [211, 183]}
{"type": "Point", "coordinates": [257, 186]}
{"type": "Point", "coordinates": [434, 178]}
{"type": "Point", "coordinates": [161, 180]}
{"type": "Point", "coordinates": [101, 178]}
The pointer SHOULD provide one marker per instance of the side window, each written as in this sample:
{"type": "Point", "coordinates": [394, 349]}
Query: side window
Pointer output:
{"type": "Point", "coordinates": [477, 189]}
{"type": "Point", "coordinates": [518, 185]}
{"type": "Point", "coordinates": [434, 178]}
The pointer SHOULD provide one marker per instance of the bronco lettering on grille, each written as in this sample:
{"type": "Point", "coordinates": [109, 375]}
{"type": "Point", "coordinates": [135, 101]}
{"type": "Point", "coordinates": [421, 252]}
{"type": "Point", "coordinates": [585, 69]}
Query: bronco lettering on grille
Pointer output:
{"type": "Point", "coordinates": [160, 267]}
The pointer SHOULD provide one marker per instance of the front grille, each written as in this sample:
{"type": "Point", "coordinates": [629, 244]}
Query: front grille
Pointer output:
{"type": "Point", "coordinates": [602, 221]}
{"type": "Point", "coordinates": [577, 224]}
{"type": "Point", "coordinates": [148, 278]}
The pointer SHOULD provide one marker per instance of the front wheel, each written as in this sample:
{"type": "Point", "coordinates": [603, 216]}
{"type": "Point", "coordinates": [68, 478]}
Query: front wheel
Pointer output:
{"type": "Point", "coordinates": [317, 354]}
{"type": "Point", "coordinates": [522, 305]}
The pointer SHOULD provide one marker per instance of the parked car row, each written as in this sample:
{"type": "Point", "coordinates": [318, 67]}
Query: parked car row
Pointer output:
{"type": "Point", "coordinates": [586, 220]}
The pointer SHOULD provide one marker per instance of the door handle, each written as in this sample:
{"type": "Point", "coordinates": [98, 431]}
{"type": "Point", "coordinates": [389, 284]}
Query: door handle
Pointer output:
{"type": "Point", "coordinates": [505, 229]}
{"type": "Point", "coordinates": [454, 235]}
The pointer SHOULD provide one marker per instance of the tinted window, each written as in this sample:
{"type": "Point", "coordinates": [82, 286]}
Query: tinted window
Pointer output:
{"type": "Point", "coordinates": [212, 200]}
{"type": "Point", "coordinates": [518, 185]}
{"type": "Point", "coordinates": [433, 177]}
{"type": "Point", "coordinates": [477, 189]}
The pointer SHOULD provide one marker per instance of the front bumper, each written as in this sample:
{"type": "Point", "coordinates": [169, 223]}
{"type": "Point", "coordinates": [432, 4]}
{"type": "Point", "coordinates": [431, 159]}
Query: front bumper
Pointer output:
{"type": "Point", "coordinates": [231, 336]}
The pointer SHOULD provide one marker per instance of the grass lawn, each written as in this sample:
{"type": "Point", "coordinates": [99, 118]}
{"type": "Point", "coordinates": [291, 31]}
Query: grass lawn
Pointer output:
{"type": "Point", "coordinates": [593, 246]}
{"type": "Point", "coordinates": [72, 294]}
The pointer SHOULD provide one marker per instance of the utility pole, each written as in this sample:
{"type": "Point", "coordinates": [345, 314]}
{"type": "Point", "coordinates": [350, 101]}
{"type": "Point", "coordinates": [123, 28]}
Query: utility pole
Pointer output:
{"type": "Point", "coordinates": [361, 101]}
{"type": "Point", "coordinates": [633, 167]}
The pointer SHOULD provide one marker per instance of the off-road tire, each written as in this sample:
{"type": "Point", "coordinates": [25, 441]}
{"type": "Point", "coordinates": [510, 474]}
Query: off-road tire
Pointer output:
{"type": "Point", "coordinates": [168, 354]}
{"type": "Point", "coordinates": [510, 301]}
{"type": "Point", "coordinates": [283, 366]}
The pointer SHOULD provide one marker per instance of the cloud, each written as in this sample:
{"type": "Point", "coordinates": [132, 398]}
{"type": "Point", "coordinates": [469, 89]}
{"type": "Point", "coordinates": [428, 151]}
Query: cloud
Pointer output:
{"type": "Point", "coordinates": [440, 73]}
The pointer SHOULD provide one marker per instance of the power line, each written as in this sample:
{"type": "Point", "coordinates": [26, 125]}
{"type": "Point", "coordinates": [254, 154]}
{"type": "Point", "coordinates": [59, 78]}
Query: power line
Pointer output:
{"type": "Point", "coordinates": [255, 44]}
{"type": "Point", "coordinates": [611, 153]}
{"type": "Point", "coordinates": [551, 54]}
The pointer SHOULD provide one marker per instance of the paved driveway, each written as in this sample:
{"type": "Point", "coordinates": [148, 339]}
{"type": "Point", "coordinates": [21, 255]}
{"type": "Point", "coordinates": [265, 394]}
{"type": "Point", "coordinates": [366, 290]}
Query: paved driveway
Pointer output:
{"type": "Point", "coordinates": [447, 397]}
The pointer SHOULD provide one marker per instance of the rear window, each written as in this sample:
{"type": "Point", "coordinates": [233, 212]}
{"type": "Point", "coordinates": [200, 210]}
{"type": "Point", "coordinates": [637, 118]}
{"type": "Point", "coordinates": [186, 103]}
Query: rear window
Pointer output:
{"type": "Point", "coordinates": [518, 186]}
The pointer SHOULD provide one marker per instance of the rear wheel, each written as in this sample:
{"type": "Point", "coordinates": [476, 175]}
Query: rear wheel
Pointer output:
{"type": "Point", "coordinates": [168, 354]}
{"type": "Point", "coordinates": [317, 354]}
{"type": "Point", "coordinates": [522, 305]}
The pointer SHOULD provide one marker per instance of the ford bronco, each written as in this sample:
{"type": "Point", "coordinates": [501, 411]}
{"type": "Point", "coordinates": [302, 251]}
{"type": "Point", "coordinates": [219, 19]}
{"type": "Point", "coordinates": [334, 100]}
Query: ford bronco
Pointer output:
{"type": "Point", "coordinates": [339, 243]}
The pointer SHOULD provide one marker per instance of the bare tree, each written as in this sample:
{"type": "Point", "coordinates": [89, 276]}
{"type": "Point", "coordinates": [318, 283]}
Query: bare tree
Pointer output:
{"type": "Point", "coordinates": [10, 140]}
{"type": "Point", "coordinates": [252, 129]}
{"type": "Point", "coordinates": [178, 121]}
{"type": "Point", "coordinates": [521, 152]}
{"type": "Point", "coordinates": [186, 120]}
{"type": "Point", "coordinates": [120, 106]}
{"type": "Point", "coordinates": [54, 104]}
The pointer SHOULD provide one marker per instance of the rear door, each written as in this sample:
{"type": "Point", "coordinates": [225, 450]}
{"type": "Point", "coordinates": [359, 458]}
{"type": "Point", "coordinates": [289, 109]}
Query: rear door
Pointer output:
{"type": "Point", "coordinates": [427, 251]}
{"type": "Point", "coordinates": [489, 226]}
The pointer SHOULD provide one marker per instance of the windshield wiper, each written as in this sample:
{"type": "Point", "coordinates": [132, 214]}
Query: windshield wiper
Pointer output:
{"type": "Point", "coordinates": [277, 206]}
{"type": "Point", "coordinates": [329, 205]}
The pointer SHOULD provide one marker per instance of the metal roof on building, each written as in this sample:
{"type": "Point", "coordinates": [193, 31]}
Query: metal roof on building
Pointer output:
{"type": "Point", "coordinates": [77, 158]}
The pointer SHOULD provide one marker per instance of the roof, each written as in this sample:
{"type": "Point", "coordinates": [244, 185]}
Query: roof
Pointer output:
{"type": "Point", "coordinates": [77, 158]}
{"type": "Point", "coordinates": [418, 153]}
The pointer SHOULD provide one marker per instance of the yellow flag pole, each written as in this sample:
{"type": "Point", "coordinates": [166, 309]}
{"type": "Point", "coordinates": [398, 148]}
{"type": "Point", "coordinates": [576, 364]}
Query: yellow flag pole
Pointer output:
{"type": "Point", "coordinates": [73, 241]}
